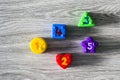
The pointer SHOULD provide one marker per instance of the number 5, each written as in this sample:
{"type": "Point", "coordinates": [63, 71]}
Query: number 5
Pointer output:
{"type": "Point", "coordinates": [90, 46]}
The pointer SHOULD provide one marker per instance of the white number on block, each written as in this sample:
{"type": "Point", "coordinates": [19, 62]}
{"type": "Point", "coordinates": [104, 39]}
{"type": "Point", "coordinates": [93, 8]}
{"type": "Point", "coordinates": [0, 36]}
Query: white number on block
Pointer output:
{"type": "Point", "coordinates": [90, 46]}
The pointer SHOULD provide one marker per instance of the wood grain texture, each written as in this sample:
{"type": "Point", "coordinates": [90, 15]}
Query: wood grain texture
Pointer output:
{"type": "Point", "coordinates": [22, 20]}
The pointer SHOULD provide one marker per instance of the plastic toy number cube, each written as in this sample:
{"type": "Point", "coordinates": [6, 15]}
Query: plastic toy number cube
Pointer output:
{"type": "Point", "coordinates": [89, 45]}
{"type": "Point", "coordinates": [59, 31]}
{"type": "Point", "coordinates": [86, 20]}
{"type": "Point", "coordinates": [64, 60]}
{"type": "Point", "coordinates": [38, 45]}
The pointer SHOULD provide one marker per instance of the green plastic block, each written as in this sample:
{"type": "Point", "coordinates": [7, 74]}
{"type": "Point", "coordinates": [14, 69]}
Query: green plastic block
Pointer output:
{"type": "Point", "coordinates": [86, 21]}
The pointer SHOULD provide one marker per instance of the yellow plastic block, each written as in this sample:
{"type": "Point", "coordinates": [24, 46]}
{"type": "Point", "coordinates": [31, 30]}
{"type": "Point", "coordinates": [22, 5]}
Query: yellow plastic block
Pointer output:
{"type": "Point", "coordinates": [38, 45]}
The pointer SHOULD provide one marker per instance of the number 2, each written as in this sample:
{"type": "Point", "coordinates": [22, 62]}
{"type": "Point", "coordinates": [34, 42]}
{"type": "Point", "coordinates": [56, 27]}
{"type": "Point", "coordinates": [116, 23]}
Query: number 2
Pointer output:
{"type": "Point", "coordinates": [64, 59]}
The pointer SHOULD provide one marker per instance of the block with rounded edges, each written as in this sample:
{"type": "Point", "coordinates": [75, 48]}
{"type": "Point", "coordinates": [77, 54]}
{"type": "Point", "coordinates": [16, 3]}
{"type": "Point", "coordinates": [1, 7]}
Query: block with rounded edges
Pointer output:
{"type": "Point", "coordinates": [38, 45]}
{"type": "Point", "coordinates": [89, 45]}
{"type": "Point", "coordinates": [59, 31]}
{"type": "Point", "coordinates": [64, 60]}
{"type": "Point", "coordinates": [86, 20]}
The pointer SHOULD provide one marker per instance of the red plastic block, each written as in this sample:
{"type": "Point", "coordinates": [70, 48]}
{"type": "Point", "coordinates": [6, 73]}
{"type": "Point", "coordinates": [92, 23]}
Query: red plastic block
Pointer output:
{"type": "Point", "coordinates": [64, 60]}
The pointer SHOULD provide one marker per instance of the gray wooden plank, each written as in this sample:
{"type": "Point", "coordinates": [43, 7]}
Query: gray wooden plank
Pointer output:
{"type": "Point", "coordinates": [22, 20]}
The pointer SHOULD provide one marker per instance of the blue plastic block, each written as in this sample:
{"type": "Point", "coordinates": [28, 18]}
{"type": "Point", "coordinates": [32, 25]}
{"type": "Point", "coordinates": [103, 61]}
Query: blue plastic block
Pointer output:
{"type": "Point", "coordinates": [59, 31]}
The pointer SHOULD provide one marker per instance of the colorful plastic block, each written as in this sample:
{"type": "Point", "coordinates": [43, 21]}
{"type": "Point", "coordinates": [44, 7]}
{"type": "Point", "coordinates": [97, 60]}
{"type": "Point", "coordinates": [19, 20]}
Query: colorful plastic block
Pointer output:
{"type": "Point", "coordinates": [89, 45]}
{"type": "Point", "coordinates": [59, 31]}
{"type": "Point", "coordinates": [64, 60]}
{"type": "Point", "coordinates": [38, 45]}
{"type": "Point", "coordinates": [86, 21]}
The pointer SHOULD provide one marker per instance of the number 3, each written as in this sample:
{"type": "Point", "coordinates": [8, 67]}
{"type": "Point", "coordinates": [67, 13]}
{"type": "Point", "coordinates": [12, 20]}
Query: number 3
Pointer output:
{"type": "Point", "coordinates": [87, 20]}
{"type": "Point", "coordinates": [90, 46]}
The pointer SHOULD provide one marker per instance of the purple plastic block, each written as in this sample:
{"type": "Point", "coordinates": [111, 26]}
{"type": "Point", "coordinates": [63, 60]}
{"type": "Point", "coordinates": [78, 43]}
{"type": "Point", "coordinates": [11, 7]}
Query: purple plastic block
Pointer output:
{"type": "Point", "coordinates": [89, 45]}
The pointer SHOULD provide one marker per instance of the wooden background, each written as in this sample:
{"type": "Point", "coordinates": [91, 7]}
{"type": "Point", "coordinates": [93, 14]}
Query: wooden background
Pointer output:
{"type": "Point", "coordinates": [22, 20]}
